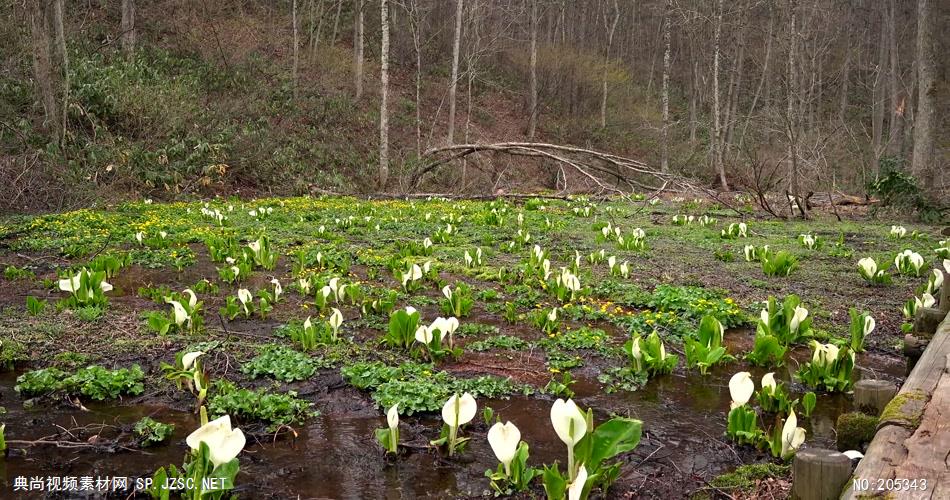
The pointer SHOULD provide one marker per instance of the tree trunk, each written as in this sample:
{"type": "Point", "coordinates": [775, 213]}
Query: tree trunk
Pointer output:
{"type": "Point", "coordinates": [665, 152]}
{"type": "Point", "coordinates": [294, 71]}
{"type": "Point", "coordinates": [533, 81]}
{"type": "Point", "coordinates": [717, 125]}
{"type": "Point", "coordinates": [611, 28]}
{"type": "Point", "coordinates": [453, 84]}
{"type": "Point", "coordinates": [693, 97]}
{"type": "Point", "coordinates": [46, 79]}
{"type": "Point", "coordinates": [336, 22]}
{"type": "Point", "coordinates": [845, 76]}
{"type": "Point", "coordinates": [895, 134]}
{"type": "Point", "coordinates": [383, 95]}
{"type": "Point", "coordinates": [877, 103]}
{"type": "Point", "coordinates": [63, 60]}
{"type": "Point", "coordinates": [924, 119]}
{"type": "Point", "coordinates": [792, 115]}
{"type": "Point", "coordinates": [128, 25]}
{"type": "Point", "coordinates": [358, 49]}
{"type": "Point", "coordinates": [412, 8]}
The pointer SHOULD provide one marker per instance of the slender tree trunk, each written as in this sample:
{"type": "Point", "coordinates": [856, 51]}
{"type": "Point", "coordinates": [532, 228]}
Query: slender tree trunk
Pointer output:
{"type": "Point", "coordinates": [762, 80]}
{"type": "Point", "coordinates": [895, 134]}
{"type": "Point", "coordinates": [533, 81]}
{"type": "Point", "coordinates": [792, 116]}
{"type": "Point", "coordinates": [315, 40]}
{"type": "Point", "coordinates": [611, 28]}
{"type": "Point", "coordinates": [358, 49]}
{"type": "Point", "coordinates": [336, 22]}
{"type": "Point", "coordinates": [63, 58]}
{"type": "Point", "coordinates": [46, 79]}
{"type": "Point", "coordinates": [877, 104]}
{"type": "Point", "coordinates": [693, 97]}
{"type": "Point", "coordinates": [845, 78]}
{"type": "Point", "coordinates": [717, 118]}
{"type": "Point", "coordinates": [925, 119]}
{"type": "Point", "coordinates": [453, 85]}
{"type": "Point", "coordinates": [296, 45]}
{"type": "Point", "coordinates": [128, 25]}
{"type": "Point", "coordinates": [384, 95]}
{"type": "Point", "coordinates": [413, 10]}
{"type": "Point", "coordinates": [665, 152]}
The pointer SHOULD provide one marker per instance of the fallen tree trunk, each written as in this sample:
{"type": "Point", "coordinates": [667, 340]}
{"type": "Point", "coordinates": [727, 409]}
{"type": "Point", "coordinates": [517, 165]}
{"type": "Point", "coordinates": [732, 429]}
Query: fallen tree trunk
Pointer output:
{"type": "Point", "coordinates": [595, 167]}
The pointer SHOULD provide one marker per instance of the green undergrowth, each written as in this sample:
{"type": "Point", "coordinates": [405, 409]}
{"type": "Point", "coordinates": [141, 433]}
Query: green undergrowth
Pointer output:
{"type": "Point", "coordinates": [419, 387]}
{"type": "Point", "coordinates": [265, 406]}
{"type": "Point", "coordinates": [92, 381]}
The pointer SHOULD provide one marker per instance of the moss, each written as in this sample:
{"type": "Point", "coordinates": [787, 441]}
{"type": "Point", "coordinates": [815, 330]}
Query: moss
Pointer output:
{"type": "Point", "coordinates": [905, 409]}
{"type": "Point", "coordinates": [746, 476]}
{"type": "Point", "coordinates": [854, 429]}
{"type": "Point", "coordinates": [11, 353]}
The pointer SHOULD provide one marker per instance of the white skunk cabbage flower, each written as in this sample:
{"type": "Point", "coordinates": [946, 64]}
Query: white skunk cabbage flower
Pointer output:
{"type": "Point", "coordinates": [224, 443]}
{"type": "Point", "coordinates": [188, 360]}
{"type": "Point", "coordinates": [792, 435]}
{"type": "Point", "coordinates": [741, 388]}
{"type": "Point", "coordinates": [504, 440]}
{"type": "Point", "coordinates": [392, 416]}
{"type": "Point", "coordinates": [569, 421]}
{"type": "Point", "coordinates": [768, 382]}
{"type": "Point", "coordinates": [459, 410]}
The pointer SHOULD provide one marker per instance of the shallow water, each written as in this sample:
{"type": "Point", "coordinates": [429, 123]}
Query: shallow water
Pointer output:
{"type": "Point", "coordinates": [335, 455]}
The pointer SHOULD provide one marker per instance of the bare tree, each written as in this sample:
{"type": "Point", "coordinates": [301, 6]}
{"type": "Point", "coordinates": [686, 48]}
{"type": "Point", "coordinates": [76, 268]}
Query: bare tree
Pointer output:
{"type": "Point", "coordinates": [63, 58]}
{"type": "Point", "coordinates": [358, 48]}
{"type": "Point", "coordinates": [717, 115]}
{"type": "Point", "coordinates": [296, 44]}
{"type": "Point", "coordinates": [610, 27]}
{"type": "Point", "coordinates": [453, 84]}
{"type": "Point", "coordinates": [415, 17]}
{"type": "Point", "coordinates": [47, 80]}
{"type": "Point", "coordinates": [924, 118]}
{"type": "Point", "coordinates": [383, 94]}
{"type": "Point", "coordinates": [128, 25]}
{"type": "Point", "coordinates": [533, 80]}
{"type": "Point", "coordinates": [665, 143]}
{"type": "Point", "coordinates": [792, 118]}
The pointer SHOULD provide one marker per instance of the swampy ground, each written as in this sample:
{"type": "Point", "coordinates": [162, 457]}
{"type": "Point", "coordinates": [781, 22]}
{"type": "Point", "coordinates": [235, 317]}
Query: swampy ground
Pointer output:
{"type": "Point", "coordinates": [311, 424]}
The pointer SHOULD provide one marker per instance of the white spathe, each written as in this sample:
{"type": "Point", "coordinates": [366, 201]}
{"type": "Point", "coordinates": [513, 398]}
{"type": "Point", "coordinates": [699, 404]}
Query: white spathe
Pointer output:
{"type": "Point", "coordinates": [869, 324]}
{"type": "Point", "coordinates": [179, 311]}
{"type": "Point", "coordinates": [188, 360]}
{"type": "Point", "coordinates": [392, 416]}
{"type": "Point", "coordinates": [224, 443]}
{"type": "Point", "coordinates": [459, 410]}
{"type": "Point", "coordinates": [336, 319]}
{"type": "Point", "coordinates": [768, 381]}
{"type": "Point", "coordinates": [741, 388]}
{"type": "Point", "coordinates": [800, 314]}
{"type": "Point", "coordinates": [792, 435]}
{"type": "Point", "coordinates": [576, 489]}
{"type": "Point", "coordinates": [569, 421]}
{"type": "Point", "coordinates": [504, 440]}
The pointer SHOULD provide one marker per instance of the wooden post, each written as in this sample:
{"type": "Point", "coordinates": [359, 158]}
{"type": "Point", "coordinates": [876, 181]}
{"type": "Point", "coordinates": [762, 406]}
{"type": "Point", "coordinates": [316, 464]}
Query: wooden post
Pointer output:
{"type": "Point", "coordinates": [871, 396]}
{"type": "Point", "coordinates": [819, 474]}
{"type": "Point", "coordinates": [927, 320]}
{"type": "Point", "coordinates": [943, 303]}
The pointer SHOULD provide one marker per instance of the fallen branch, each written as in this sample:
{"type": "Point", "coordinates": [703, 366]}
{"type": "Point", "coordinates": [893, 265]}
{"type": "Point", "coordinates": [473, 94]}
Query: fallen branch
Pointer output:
{"type": "Point", "coordinates": [596, 167]}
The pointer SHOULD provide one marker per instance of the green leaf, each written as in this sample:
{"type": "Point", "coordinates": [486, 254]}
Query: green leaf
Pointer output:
{"type": "Point", "coordinates": [613, 437]}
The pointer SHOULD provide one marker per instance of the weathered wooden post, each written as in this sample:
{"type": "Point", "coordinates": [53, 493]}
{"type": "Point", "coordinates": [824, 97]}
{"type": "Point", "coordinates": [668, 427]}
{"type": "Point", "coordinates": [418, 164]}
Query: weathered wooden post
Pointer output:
{"type": "Point", "coordinates": [944, 298]}
{"type": "Point", "coordinates": [819, 474]}
{"type": "Point", "coordinates": [871, 396]}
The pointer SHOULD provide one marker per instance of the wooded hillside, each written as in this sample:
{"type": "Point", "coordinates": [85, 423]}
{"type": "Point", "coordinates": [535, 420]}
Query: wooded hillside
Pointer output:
{"type": "Point", "coordinates": [171, 97]}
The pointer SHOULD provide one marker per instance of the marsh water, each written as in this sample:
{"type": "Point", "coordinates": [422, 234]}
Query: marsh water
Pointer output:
{"type": "Point", "coordinates": [335, 454]}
